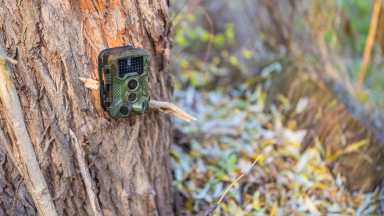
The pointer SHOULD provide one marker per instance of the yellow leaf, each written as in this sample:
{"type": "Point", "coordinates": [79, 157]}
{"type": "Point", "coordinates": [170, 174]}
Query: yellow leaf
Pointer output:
{"type": "Point", "coordinates": [246, 53]}
{"type": "Point", "coordinates": [216, 61]}
{"type": "Point", "coordinates": [252, 80]}
{"type": "Point", "coordinates": [267, 142]}
{"type": "Point", "coordinates": [233, 60]}
{"type": "Point", "coordinates": [319, 169]}
{"type": "Point", "coordinates": [256, 204]}
{"type": "Point", "coordinates": [274, 210]}
{"type": "Point", "coordinates": [255, 156]}
{"type": "Point", "coordinates": [334, 156]}
{"type": "Point", "coordinates": [184, 64]}
{"type": "Point", "coordinates": [191, 17]}
{"type": "Point", "coordinates": [320, 186]}
{"type": "Point", "coordinates": [189, 204]}
{"type": "Point", "coordinates": [247, 195]}
{"type": "Point", "coordinates": [292, 124]}
{"type": "Point", "coordinates": [328, 152]}
{"type": "Point", "coordinates": [225, 178]}
{"type": "Point", "coordinates": [356, 145]}
{"type": "Point", "coordinates": [362, 96]}
{"type": "Point", "coordinates": [311, 207]}
{"type": "Point", "coordinates": [283, 99]}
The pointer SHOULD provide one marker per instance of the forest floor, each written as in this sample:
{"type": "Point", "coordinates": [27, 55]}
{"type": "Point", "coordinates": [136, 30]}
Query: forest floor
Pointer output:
{"type": "Point", "coordinates": [231, 131]}
{"type": "Point", "coordinates": [223, 53]}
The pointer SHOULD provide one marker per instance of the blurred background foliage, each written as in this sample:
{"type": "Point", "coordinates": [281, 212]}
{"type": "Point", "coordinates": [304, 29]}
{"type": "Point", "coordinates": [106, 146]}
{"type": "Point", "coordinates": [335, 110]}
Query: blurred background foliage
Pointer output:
{"type": "Point", "coordinates": [249, 71]}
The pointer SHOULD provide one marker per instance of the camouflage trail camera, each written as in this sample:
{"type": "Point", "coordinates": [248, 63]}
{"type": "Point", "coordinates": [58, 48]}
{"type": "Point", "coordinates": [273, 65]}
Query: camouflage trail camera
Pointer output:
{"type": "Point", "coordinates": [123, 79]}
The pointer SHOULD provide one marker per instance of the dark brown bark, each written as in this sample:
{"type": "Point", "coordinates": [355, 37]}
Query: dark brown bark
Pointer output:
{"type": "Point", "coordinates": [56, 42]}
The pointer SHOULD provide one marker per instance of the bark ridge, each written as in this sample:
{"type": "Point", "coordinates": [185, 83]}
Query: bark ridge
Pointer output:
{"type": "Point", "coordinates": [57, 42]}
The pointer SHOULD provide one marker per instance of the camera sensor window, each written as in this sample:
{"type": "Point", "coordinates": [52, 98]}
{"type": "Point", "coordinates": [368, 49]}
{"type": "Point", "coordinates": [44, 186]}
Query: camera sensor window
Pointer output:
{"type": "Point", "coordinates": [130, 65]}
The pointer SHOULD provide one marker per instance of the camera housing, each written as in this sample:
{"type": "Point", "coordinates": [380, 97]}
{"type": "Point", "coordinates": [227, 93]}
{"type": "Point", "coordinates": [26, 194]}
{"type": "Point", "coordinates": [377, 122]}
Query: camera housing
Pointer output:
{"type": "Point", "coordinates": [123, 79]}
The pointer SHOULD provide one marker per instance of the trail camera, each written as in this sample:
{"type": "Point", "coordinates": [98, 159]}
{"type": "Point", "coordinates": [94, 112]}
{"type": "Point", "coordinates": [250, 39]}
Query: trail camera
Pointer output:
{"type": "Point", "coordinates": [123, 79]}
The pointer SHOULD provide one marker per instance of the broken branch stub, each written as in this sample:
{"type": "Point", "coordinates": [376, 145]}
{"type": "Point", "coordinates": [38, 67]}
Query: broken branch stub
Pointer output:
{"type": "Point", "coordinates": [160, 106]}
{"type": "Point", "coordinates": [34, 179]}
{"type": "Point", "coordinates": [90, 83]}
{"type": "Point", "coordinates": [167, 107]}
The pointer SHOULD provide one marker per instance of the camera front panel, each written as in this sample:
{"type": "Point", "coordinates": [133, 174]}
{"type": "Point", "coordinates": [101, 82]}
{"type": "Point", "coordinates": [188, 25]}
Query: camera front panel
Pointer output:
{"type": "Point", "coordinates": [125, 81]}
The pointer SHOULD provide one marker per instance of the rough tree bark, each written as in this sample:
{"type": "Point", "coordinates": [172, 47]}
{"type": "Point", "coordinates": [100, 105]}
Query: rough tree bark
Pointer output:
{"type": "Point", "coordinates": [55, 42]}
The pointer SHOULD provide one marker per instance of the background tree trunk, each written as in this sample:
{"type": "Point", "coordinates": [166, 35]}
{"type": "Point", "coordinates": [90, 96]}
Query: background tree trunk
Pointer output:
{"type": "Point", "coordinates": [55, 43]}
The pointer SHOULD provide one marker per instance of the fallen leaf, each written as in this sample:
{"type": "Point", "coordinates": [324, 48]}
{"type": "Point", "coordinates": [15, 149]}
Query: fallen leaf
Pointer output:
{"type": "Point", "coordinates": [356, 145]}
{"type": "Point", "coordinates": [311, 207]}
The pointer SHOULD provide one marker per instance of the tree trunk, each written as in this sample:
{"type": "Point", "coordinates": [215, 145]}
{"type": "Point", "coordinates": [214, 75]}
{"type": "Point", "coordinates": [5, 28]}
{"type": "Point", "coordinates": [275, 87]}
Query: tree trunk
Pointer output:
{"type": "Point", "coordinates": [55, 42]}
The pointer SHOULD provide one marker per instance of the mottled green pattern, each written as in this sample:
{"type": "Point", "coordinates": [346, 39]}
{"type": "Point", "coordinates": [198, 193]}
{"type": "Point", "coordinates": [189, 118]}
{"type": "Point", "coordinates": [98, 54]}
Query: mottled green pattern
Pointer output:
{"type": "Point", "coordinates": [120, 90]}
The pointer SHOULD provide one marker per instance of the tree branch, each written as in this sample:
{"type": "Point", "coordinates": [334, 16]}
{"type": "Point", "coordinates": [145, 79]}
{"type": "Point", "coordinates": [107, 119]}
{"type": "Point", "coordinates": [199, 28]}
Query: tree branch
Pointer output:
{"type": "Point", "coordinates": [84, 170]}
{"type": "Point", "coordinates": [369, 42]}
{"type": "Point", "coordinates": [167, 107]}
{"type": "Point", "coordinates": [34, 179]}
{"type": "Point", "coordinates": [159, 106]}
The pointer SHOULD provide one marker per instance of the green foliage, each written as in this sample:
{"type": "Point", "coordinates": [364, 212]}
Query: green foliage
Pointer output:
{"type": "Point", "coordinates": [230, 32]}
{"type": "Point", "coordinates": [358, 14]}
{"type": "Point", "coordinates": [219, 40]}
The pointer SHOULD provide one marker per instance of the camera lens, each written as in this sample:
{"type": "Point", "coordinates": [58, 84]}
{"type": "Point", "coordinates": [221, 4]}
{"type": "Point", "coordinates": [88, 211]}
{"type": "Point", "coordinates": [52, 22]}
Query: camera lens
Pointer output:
{"type": "Point", "coordinates": [124, 110]}
{"type": "Point", "coordinates": [132, 97]}
{"type": "Point", "coordinates": [132, 84]}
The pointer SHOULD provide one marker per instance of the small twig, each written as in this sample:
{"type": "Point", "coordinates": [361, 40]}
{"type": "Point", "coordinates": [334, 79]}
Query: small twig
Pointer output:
{"type": "Point", "coordinates": [84, 170]}
{"type": "Point", "coordinates": [16, 197]}
{"type": "Point", "coordinates": [213, 207]}
{"type": "Point", "coordinates": [211, 32]}
{"type": "Point", "coordinates": [182, 6]}
{"type": "Point", "coordinates": [34, 179]}
{"type": "Point", "coordinates": [191, 8]}
{"type": "Point", "coordinates": [3, 56]}
{"type": "Point", "coordinates": [369, 42]}
{"type": "Point", "coordinates": [51, 119]}
{"type": "Point", "coordinates": [218, 203]}
{"type": "Point", "coordinates": [9, 150]}
{"type": "Point", "coordinates": [47, 145]}
{"type": "Point", "coordinates": [211, 210]}
{"type": "Point", "coordinates": [160, 106]}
